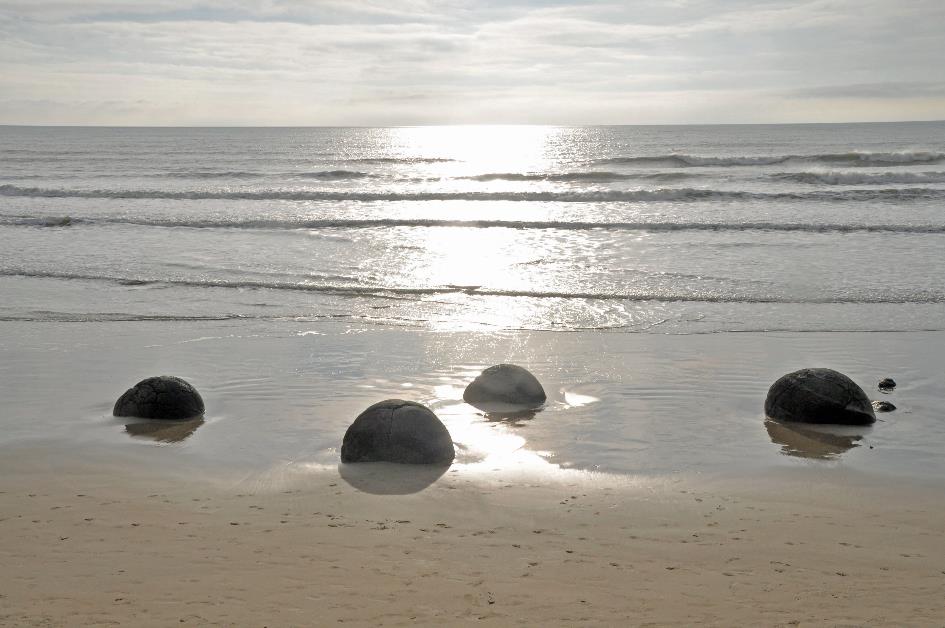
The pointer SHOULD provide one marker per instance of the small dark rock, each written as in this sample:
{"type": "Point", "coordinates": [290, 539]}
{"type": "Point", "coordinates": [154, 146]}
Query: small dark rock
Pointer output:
{"type": "Point", "coordinates": [883, 406]}
{"type": "Point", "coordinates": [887, 384]}
{"type": "Point", "coordinates": [163, 397]}
{"type": "Point", "coordinates": [505, 384]}
{"type": "Point", "coordinates": [398, 431]}
{"type": "Point", "coordinates": [818, 395]}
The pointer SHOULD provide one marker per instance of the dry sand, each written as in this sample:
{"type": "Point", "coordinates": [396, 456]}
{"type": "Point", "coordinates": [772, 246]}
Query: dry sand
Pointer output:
{"type": "Point", "coordinates": [86, 542]}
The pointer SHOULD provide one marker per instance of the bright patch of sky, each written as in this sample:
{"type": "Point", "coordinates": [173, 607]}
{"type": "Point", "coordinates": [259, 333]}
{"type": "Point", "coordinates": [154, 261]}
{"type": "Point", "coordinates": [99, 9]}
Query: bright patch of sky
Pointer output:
{"type": "Point", "coordinates": [373, 62]}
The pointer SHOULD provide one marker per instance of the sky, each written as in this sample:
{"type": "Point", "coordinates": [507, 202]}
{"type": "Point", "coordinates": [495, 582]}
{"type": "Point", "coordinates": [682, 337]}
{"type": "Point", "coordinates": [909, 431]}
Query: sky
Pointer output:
{"type": "Point", "coordinates": [414, 62]}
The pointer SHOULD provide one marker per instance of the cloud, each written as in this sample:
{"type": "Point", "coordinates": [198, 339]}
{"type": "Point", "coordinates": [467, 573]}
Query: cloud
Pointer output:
{"type": "Point", "coordinates": [893, 89]}
{"type": "Point", "coordinates": [418, 61]}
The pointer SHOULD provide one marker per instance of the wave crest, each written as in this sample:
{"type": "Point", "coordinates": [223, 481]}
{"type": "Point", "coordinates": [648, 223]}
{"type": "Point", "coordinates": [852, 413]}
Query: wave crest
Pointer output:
{"type": "Point", "coordinates": [478, 291]}
{"type": "Point", "coordinates": [853, 158]}
{"type": "Point", "coordinates": [386, 223]}
{"type": "Point", "coordinates": [588, 196]}
{"type": "Point", "coordinates": [856, 178]}
{"type": "Point", "coordinates": [593, 175]}
{"type": "Point", "coordinates": [398, 160]}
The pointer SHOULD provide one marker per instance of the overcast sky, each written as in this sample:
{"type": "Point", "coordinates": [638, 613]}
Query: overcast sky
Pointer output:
{"type": "Point", "coordinates": [375, 62]}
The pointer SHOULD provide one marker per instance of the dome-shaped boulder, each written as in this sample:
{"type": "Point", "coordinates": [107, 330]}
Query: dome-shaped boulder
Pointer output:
{"type": "Point", "coordinates": [818, 395]}
{"type": "Point", "coordinates": [505, 385]}
{"type": "Point", "coordinates": [398, 431]}
{"type": "Point", "coordinates": [162, 397]}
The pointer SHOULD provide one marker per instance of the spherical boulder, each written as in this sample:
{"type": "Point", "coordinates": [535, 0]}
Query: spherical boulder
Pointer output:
{"type": "Point", "coordinates": [818, 395]}
{"type": "Point", "coordinates": [887, 384]}
{"type": "Point", "coordinates": [883, 406]}
{"type": "Point", "coordinates": [162, 397]}
{"type": "Point", "coordinates": [506, 385]}
{"type": "Point", "coordinates": [398, 431]}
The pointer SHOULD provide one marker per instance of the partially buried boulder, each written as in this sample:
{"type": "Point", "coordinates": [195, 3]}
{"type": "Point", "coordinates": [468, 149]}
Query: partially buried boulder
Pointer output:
{"type": "Point", "coordinates": [398, 431]}
{"type": "Point", "coordinates": [883, 406]}
{"type": "Point", "coordinates": [505, 385]}
{"type": "Point", "coordinates": [162, 397]}
{"type": "Point", "coordinates": [818, 395]}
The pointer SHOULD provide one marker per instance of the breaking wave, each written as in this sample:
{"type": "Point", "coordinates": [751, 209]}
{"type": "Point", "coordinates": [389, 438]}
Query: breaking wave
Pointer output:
{"type": "Point", "coordinates": [587, 196]}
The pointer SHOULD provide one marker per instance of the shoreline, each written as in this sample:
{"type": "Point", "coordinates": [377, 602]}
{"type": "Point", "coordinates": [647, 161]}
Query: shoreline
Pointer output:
{"type": "Point", "coordinates": [635, 404]}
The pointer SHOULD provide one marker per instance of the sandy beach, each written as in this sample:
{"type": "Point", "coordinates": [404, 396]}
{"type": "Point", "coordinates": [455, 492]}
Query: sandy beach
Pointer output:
{"type": "Point", "coordinates": [100, 540]}
{"type": "Point", "coordinates": [650, 491]}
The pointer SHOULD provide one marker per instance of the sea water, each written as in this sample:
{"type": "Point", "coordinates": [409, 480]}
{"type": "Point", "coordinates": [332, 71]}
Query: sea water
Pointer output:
{"type": "Point", "coordinates": [478, 234]}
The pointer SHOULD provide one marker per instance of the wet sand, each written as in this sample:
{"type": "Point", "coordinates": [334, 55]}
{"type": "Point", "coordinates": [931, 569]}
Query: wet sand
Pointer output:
{"type": "Point", "coordinates": [637, 404]}
{"type": "Point", "coordinates": [112, 540]}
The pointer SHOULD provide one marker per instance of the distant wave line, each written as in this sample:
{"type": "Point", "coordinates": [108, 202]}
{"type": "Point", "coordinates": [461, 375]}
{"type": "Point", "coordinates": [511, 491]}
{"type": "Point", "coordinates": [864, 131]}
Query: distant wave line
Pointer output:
{"type": "Point", "coordinates": [391, 291]}
{"type": "Point", "coordinates": [592, 175]}
{"type": "Point", "coordinates": [398, 160]}
{"type": "Point", "coordinates": [72, 317]}
{"type": "Point", "coordinates": [340, 175]}
{"type": "Point", "coordinates": [587, 196]}
{"type": "Point", "coordinates": [327, 175]}
{"type": "Point", "coordinates": [861, 158]}
{"type": "Point", "coordinates": [856, 178]}
{"type": "Point", "coordinates": [373, 223]}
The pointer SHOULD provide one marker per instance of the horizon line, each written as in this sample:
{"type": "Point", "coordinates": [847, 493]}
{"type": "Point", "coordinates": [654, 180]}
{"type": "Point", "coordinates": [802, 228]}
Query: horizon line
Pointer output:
{"type": "Point", "coordinates": [469, 124]}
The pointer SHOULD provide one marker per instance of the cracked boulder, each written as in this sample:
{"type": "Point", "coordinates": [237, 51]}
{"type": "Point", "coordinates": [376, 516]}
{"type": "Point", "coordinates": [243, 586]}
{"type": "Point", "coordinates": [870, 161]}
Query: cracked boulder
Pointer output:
{"type": "Point", "coordinates": [818, 396]}
{"type": "Point", "coordinates": [505, 385]}
{"type": "Point", "coordinates": [398, 431]}
{"type": "Point", "coordinates": [162, 397]}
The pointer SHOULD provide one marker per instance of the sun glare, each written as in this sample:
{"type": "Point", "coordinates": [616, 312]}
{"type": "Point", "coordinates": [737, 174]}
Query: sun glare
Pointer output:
{"type": "Point", "coordinates": [483, 148]}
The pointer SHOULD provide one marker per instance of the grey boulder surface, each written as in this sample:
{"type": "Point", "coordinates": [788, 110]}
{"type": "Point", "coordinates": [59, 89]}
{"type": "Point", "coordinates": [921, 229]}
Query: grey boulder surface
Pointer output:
{"type": "Point", "coordinates": [398, 431]}
{"type": "Point", "coordinates": [162, 397]}
{"type": "Point", "coordinates": [505, 385]}
{"type": "Point", "coordinates": [819, 395]}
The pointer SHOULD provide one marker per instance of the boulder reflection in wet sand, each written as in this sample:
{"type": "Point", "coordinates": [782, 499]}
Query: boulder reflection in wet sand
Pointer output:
{"type": "Point", "coordinates": [390, 478]}
{"type": "Point", "coordinates": [512, 418]}
{"type": "Point", "coordinates": [807, 441]}
{"type": "Point", "coordinates": [164, 431]}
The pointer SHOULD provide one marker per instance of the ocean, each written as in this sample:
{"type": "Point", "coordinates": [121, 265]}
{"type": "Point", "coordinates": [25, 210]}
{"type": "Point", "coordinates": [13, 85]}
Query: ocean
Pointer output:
{"type": "Point", "coordinates": [656, 278]}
